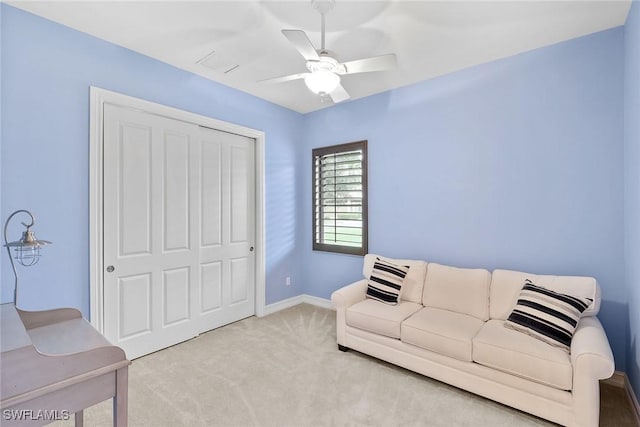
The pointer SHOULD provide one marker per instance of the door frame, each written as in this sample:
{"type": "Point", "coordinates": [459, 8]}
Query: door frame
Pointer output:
{"type": "Point", "coordinates": [98, 97]}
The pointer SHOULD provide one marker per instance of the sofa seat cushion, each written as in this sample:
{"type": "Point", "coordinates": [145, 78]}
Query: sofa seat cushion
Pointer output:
{"type": "Point", "coordinates": [519, 354]}
{"type": "Point", "coordinates": [442, 331]}
{"type": "Point", "coordinates": [380, 318]}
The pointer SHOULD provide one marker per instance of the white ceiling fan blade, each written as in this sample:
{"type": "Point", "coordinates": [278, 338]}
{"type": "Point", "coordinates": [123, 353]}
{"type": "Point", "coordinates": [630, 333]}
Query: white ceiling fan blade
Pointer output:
{"type": "Point", "coordinates": [339, 94]}
{"type": "Point", "coordinates": [302, 43]}
{"type": "Point", "coordinates": [375, 63]}
{"type": "Point", "coordinates": [282, 79]}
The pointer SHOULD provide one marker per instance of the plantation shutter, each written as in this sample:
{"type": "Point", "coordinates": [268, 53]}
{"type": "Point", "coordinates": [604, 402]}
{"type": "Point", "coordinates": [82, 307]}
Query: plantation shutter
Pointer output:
{"type": "Point", "coordinates": [340, 198]}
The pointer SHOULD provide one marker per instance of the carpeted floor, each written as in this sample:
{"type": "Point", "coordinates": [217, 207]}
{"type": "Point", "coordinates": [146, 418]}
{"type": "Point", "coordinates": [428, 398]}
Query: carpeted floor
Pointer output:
{"type": "Point", "coordinates": [285, 370]}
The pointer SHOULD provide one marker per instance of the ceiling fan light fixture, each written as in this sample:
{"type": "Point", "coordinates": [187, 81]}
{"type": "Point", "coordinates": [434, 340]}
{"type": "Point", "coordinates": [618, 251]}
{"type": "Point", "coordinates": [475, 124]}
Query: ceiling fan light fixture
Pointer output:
{"type": "Point", "coordinates": [322, 82]}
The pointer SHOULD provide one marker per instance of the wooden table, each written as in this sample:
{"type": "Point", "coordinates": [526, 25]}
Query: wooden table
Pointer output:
{"type": "Point", "coordinates": [53, 364]}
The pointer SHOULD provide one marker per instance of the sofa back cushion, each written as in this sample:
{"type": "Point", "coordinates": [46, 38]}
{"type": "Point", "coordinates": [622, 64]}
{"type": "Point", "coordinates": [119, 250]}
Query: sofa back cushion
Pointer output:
{"type": "Point", "coordinates": [462, 290]}
{"type": "Point", "coordinates": [507, 284]}
{"type": "Point", "coordinates": [413, 281]}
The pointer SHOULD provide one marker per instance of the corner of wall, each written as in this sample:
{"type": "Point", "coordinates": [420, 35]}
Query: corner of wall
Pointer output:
{"type": "Point", "coordinates": [1, 131]}
{"type": "Point", "coordinates": [632, 190]}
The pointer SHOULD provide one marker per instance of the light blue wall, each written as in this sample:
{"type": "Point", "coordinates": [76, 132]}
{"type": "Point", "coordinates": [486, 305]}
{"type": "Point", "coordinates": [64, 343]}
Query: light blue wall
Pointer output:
{"type": "Point", "coordinates": [46, 73]}
{"type": "Point", "coordinates": [513, 164]}
{"type": "Point", "coordinates": [1, 131]}
{"type": "Point", "coordinates": [632, 188]}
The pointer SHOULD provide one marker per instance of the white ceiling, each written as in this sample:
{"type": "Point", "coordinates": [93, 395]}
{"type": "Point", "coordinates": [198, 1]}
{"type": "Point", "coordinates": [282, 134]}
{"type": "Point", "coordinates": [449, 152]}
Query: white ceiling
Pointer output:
{"type": "Point", "coordinates": [430, 38]}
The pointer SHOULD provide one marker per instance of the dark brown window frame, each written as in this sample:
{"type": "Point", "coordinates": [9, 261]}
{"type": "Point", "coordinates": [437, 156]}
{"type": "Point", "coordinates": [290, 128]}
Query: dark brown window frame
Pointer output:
{"type": "Point", "coordinates": [319, 244]}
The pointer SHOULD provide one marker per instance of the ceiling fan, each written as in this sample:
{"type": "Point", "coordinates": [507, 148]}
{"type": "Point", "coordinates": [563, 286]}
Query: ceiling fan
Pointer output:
{"type": "Point", "coordinates": [323, 77]}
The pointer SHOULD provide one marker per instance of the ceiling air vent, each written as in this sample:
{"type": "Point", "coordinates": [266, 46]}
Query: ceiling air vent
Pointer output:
{"type": "Point", "coordinates": [217, 62]}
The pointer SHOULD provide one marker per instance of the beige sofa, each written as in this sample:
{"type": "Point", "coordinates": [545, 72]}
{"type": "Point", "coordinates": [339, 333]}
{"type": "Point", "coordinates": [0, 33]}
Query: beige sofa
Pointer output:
{"type": "Point", "coordinates": [449, 325]}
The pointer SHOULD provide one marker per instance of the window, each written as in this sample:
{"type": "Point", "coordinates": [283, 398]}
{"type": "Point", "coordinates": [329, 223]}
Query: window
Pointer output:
{"type": "Point", "coordinates": [340, 198]}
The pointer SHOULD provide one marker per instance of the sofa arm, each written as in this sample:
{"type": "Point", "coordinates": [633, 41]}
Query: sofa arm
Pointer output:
{"type": "Point", "coordinates": [345, 297]}
{"type": "Point", "coordinates": [592, 360]}
{"type": "Point", "coordinates": [342, 299]}
{"type": "Point", "coordinates": [590, 351]}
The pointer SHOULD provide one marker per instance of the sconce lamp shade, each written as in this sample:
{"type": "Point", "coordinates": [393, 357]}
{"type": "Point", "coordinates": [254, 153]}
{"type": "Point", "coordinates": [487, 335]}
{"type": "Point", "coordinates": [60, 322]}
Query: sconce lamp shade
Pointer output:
{"type": "Point", "coordinates": [26, 250]}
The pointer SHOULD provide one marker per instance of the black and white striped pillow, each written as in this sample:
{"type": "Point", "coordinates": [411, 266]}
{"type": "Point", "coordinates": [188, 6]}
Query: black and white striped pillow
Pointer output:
{"type": "Point", "coordinates": [386, 281]}
{"type": "Point", "coordinates": [547, 315]}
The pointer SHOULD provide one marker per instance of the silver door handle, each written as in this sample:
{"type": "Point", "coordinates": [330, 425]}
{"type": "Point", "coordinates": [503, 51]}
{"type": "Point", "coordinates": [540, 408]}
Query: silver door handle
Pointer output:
{"type": "Point", "coordinates": [110, 269]}
{"type": "Point", "coordinates": [251, 249]}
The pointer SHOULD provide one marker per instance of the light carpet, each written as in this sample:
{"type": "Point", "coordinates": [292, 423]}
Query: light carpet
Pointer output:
{"type": "Point", "coordinates": [285, 370]}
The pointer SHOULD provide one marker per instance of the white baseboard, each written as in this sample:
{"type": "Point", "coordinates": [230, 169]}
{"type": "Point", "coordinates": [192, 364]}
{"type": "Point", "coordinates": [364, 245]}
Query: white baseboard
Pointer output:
{"type": "Point", "coordinates": [620, 379]}
{"type": "Point", "coordinates": [282, 305]}
{"type": "Point", "coordinates": [633, 398]}
{"type": "Point", "coordinates": [293, 301]}
{"type": "Point", "coordinates": [317, 301]}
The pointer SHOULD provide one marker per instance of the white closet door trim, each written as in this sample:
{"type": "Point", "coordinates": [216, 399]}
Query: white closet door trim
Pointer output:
{"type": "Point", "coordinates": [98, 97]}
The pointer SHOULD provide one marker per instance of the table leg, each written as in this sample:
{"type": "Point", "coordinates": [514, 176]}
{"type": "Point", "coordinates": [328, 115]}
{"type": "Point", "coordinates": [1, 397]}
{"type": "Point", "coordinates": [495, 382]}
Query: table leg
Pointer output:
{"type": "Point", "coordinates": [79, 418]}
{"type": "Point", "coordinates": [120, 408]}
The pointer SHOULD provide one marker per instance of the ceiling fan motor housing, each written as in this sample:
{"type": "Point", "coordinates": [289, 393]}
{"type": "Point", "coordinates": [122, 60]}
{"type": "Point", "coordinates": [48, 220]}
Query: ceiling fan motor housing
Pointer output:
{"type": "Point", "coordinates": [326, 63]}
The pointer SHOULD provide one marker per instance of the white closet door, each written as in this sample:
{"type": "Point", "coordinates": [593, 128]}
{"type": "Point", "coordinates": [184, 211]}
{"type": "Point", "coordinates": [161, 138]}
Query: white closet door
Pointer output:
{"type": "Point", "coordinates": [227, 262]}
{"type": "Point", "coordinates": [162, 217]}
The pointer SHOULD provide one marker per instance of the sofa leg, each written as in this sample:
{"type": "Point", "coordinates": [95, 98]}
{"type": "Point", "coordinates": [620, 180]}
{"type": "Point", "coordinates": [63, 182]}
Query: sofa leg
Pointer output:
{"type": "Point", "coordinates": [342, 348]}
